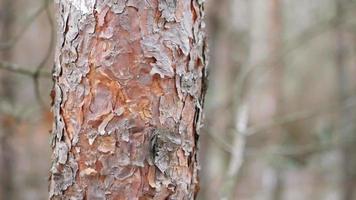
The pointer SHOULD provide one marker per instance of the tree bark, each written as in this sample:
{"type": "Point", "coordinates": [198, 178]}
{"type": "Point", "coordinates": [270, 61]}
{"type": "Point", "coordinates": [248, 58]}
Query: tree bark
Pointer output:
{"type": "Point", "coordinates": [129, 88]}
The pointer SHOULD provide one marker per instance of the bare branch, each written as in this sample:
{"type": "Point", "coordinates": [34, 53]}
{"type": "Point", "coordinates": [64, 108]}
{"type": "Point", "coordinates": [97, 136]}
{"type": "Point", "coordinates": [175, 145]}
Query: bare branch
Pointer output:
{"type": "Point", "coordinates": [22, 70]}
{"type": "Point", "coordinates": [45, 59]}
{"type": "Point", "coordinates": [303, 149]}
{"type": "Point", "coordinates": [291, 117]}
{"type": "Point", "coordinates": [29, 21]}
{"type": "Point", "coordinates": [302, 115]}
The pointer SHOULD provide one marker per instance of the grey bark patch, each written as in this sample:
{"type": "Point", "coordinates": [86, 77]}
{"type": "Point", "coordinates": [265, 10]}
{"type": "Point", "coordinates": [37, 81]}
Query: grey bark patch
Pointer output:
{"type": "Point", "coordinates": [168, 9]}
{"type": "Point", "coordinates": [59, 124]}
{"type": "Point", "coordinates": [63, 177]}
{"type": "Point", "coordinates": [189, 83]}
{"type": "Point", "coordinates": [92, 136]}
{"type": "Point", "coordinates": [176, 37]}
{"type": "Point", "coordinates": [62, 152]}
{"type": "Point", "coordinates": [96, 191]}
{"type": "Point", "coordinates": [84, 6]}
{"type": "Point", "coordinates": [168, 109]}
{"type": "Point", "coordinates": [119, 111]}
{"type": "Point", "coordinates": [124, 172]}
{"type": "Point", "coordinates": [187, 147]}
{"type": "Point", "coordinates": [152, 48]}
{"type": "Point", "coordinates": [87, 24]}
{"type": "Point", "coordinates": [113, 163]}
{"type": "Point", "coordinates": [117, 6]}
{"type": "Point", "coordinates": [74, 77]}
{"type": "Point", "coordinates": [104, 123]}
{"type": "Point", "coordinates": [164, 144]}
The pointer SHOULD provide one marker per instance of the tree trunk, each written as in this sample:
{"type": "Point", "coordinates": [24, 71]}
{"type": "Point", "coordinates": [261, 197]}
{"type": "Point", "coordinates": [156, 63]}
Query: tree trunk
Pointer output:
{"type": "Point", "coordinates": [128, 94]}
{"type": "Point", "coordinates": [347, 148]}
{"type": "Point", "coordinates": [7, 94]}
{"type": "Point", "coordinates": [275, 61]}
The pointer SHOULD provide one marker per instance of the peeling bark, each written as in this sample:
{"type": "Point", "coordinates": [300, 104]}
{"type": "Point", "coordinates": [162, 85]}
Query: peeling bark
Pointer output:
{"type": "Point", "coordinates": [129, 87]}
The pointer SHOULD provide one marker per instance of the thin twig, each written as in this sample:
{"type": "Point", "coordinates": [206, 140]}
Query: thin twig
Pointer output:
{"type": "Point", "coordinates": [38, 72]}
{"type": "Point", "coordinates": [304, 149]}
{"type": "Point", "coordinates": [302, 115]}
{"type": "Point", "coordinates": [291, 117]}
{"type": "Point", "coordinates": [48, 54]}
{"type": "Point", "coordinates": [18, 36]}
{"type": "Point", "coordinates": [12, 67]}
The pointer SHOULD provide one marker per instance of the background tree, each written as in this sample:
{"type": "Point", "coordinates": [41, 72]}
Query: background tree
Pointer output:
{"type": "Point", "coordinates": [7, 121]}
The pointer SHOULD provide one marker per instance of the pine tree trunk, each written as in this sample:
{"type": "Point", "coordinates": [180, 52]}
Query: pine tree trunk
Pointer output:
{"type": "Point", "coordinates": [129, 87]}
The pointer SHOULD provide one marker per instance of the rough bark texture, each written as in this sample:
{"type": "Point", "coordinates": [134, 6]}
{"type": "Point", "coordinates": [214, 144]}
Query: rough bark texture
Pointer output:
{"type": "Point", "coordinates": [128, 95]}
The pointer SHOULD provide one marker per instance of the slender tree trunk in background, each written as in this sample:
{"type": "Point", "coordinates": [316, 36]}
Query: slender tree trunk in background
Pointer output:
{"type": "Point", "coordinates": [276, 50]}
{"type": "Point", "coordinates": [223, 73]}
{"type": "Point", "coordinates": [276, 62]}
{"type": "Point", "coordinates": [346, 135]}
{"type": "Point", "coordinates": [128, 95]}
{"type": "Point", "coordinates": [6, 94]}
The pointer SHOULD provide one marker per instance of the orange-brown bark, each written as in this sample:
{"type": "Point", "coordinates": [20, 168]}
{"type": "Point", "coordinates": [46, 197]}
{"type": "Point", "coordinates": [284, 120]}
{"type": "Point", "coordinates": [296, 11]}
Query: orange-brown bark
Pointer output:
{"type": "Point", "coordinates": [129, 88]}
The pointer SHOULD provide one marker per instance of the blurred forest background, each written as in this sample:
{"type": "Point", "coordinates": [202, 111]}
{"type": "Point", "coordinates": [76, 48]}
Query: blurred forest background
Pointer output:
{"type": "Point", "coordinates": [280, 113]}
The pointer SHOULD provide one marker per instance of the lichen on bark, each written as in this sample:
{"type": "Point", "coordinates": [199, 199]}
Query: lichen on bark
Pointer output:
{"type": "Point", "coordinates": [127, 71]}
